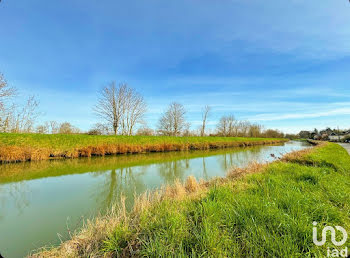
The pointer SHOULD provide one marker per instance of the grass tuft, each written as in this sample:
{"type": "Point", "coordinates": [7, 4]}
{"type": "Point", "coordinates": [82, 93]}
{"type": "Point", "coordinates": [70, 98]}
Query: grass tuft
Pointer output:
{"type": "Point", "coordinates": [191, 184]}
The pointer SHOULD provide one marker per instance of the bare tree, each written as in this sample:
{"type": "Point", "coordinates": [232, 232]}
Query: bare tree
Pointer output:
{"type": "Point", "coordinates": [230, 125]}
{"type": "Point", "coordinates": [146, 131]}
{"type": "Point", "coordinates": [173, 121]}
{"type": "Point", "coordinates": [223, 126]}
{"type": "Point", "coordinates": [120, 107]}
{"type": "Point", "coordinates": [5, 113]}
{"type": "Point", "coordinates": [187, 130]}
{"type": "Point", "coordinates": [255, 130]}
{"type": "Point", "coordinates": [54, 126]}
{"type": "Point", "coordinates": [5, 91]}
{"type": "Point", "coordinates": [134, 110]}
{"type": "Point", "coordinates": [270, 133]}
{"type": "Point", "coordinates": [14, 117]}
{"type": "Point", "coordinates": [205, 114]}
{"type": "Point", "coordinates": [243, 128]}
{"type": "Point", "coordinates": [6, 119]}
{"type": "Point", "coordinates": [236, 128]}
{"type": "Point", "coordinates": [43, 129]}
{"type": "Point", "coordinates": [65, 128]}
{"type": "Point", "coordinates": [99, 129]}
{"type": "Point", "coordinates": [109, 105]}
{"type": "Point", "coordinates": [68, 128]}
{"type": "Point", "coordinates": [23, 119]}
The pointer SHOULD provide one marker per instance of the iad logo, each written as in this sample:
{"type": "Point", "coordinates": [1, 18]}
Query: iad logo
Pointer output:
{"type": "Point", "coordinates": [334, 252]}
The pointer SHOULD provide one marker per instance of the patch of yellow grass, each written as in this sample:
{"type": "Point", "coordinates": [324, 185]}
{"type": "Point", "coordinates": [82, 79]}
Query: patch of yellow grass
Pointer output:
{"type": "Point", "coordinates": [85, 146]}
{"type": "Point", "coordinates": [175, 191]}
{"type": "Point", "coordinates": [191, 184]}
{"type": "Point", "coordinates": [252, 168]}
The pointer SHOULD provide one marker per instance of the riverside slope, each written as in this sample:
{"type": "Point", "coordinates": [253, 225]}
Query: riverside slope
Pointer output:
{"type": "Point", "coordinates": [31, 147]}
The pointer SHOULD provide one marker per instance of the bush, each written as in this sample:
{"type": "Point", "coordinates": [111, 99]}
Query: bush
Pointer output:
{"type": "Point", "coordinates": [94, 132]}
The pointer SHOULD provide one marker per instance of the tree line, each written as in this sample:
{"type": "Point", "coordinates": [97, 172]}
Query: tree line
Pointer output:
{"type": "Point", "coordinates": [121, 110]}
{"type": "Point", "coordinates": [122, 107]}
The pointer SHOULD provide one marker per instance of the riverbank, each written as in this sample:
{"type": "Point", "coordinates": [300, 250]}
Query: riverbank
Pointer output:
{"type": "Point", "coordinates": [34, 147]}
{"type": "Point", "coordinates": [262, 210]}
{"type": "Point", "coordinates": [17, 172]}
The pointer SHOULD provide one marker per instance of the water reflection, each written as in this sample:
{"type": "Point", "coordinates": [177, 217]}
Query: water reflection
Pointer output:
{"type": "Point", "coordinates": [19, 193]}
{"type": "Point", "coordinates": [37, 198]}
{"type": "Point", "coordinates": [117, 183]}
{"type": "Point", "coordinates": [169, 171]}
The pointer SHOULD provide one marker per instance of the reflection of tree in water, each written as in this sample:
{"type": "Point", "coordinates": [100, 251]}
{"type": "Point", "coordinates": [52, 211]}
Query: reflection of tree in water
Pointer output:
{"type": "Point", "coordinates": [205, 173]}
{"type": "Point", "coordinates": [128, 181]}
{"type": "Point", "coordinates": [120, 182]}
{"type": "Point", "coordinates": [172, 170]}
{"type": "Point", "coordinates": [240, 158]}
{"type": "Point", "coordinates": [17, 194]}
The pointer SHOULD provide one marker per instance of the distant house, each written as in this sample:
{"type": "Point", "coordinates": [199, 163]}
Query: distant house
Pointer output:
{"type": "Point", "coordinates": [336, 137]}
{"type": "Point", "coordinates": [327, 134]}
{"type": "Point", "coordinates": [324, 136]}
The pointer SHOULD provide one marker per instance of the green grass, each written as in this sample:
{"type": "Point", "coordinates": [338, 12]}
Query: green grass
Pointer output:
{"type": "Point", "coordinates": [259, 215]}
{"type": "Point", "coordinates": [70, 141]}
{"type": "Point", "coordinates": [330, 155]}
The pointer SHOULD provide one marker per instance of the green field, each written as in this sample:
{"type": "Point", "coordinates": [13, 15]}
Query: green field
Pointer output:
{"type": "Point", "coordinates": [266, 213]}
{"type": "Point", "coordinates": [71, 141]}
{"type": "Point", "coordinates": [22, 147]}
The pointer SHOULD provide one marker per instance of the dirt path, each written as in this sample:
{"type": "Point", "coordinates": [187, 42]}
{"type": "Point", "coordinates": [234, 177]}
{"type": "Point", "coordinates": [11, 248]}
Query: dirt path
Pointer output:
{"type": "Point", "coordinates": [345, 146]}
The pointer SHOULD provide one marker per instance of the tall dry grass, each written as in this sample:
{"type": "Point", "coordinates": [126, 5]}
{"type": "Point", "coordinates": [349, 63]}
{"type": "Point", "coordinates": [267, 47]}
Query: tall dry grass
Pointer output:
{"type": "Point", "coordinates": [31, 151]}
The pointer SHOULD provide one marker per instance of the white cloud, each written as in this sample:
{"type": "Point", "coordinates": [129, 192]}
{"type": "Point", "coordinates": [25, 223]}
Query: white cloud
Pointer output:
{"type": "Point", "coordinates": [278, 116]}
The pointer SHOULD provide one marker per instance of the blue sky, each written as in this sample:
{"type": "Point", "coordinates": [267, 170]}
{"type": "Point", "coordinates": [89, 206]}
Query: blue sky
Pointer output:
{"type": "Point", "coordinates": [284, 64]}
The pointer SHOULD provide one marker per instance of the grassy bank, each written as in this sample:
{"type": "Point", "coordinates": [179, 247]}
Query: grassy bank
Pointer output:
{"type": "Point", "coordinates": [27, 147]}
{"type": "Point", "coordinates": [263, 210]}
{"type": "Point", "coordinates": [13, 172]}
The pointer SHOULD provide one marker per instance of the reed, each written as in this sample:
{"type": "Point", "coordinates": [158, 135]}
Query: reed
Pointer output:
{"type": "Point", "coordinates": [35, 147]}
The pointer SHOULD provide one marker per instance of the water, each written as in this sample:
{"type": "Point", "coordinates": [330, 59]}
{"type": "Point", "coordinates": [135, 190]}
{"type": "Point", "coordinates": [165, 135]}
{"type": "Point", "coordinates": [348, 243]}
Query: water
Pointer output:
{"type": "Point", "coordinates": [41, 201]}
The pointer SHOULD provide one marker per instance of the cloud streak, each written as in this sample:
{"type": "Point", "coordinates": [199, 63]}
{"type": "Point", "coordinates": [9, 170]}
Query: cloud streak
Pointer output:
{"type": "Point", "coordinates": [292, 116]}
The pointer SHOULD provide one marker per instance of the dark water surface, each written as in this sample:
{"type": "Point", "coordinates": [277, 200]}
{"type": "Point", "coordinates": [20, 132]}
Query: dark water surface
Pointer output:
{"type": "Point", "coordinates": [40, 201]}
